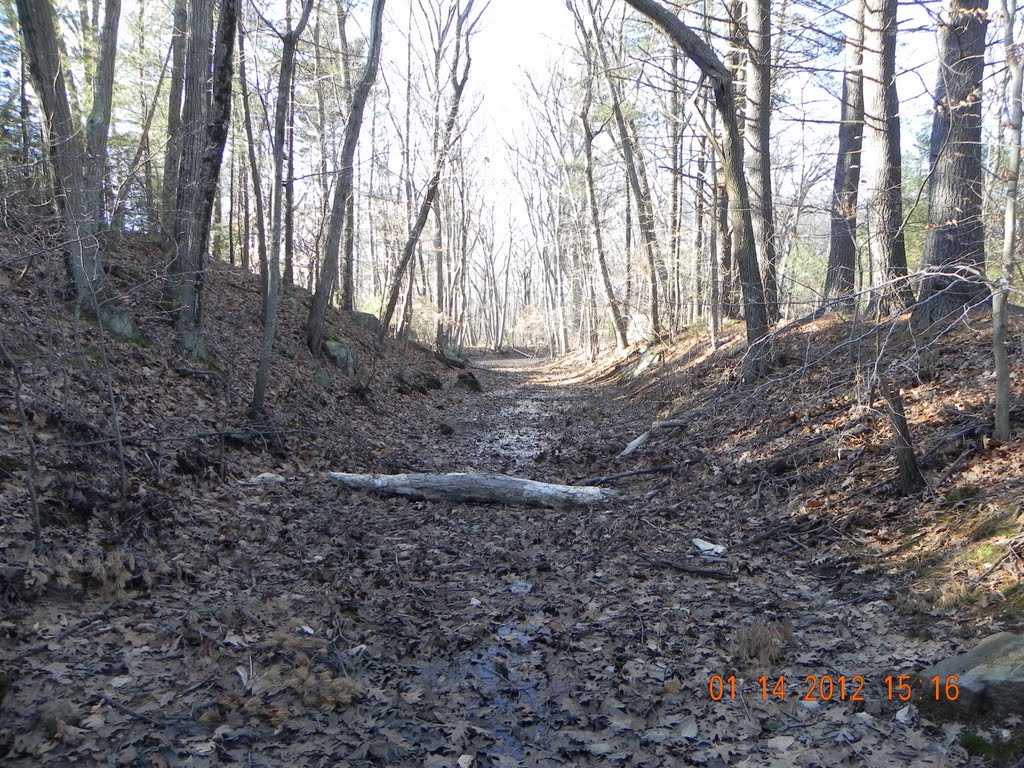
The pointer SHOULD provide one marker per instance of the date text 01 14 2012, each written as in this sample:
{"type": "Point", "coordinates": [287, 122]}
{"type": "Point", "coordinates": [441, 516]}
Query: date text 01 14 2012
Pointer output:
{"type": "Point", "coordinates": [835, 688]}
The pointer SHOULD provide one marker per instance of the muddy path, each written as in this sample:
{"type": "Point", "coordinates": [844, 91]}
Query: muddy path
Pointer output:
{"type": "Point", "coordinates": [317, 627]}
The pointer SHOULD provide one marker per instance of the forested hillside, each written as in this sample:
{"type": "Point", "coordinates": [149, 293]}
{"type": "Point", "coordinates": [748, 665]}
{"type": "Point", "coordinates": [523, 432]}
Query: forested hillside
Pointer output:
{"type": "Point", "coordinates": [452, 382]}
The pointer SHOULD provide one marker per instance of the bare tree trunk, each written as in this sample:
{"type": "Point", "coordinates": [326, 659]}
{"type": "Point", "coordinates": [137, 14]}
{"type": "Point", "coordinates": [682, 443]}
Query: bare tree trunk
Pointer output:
{"type": "Point", "coordinates": [254, 166]}
{"type": "Point", "coordinates": [205, 124]}
{"type": "Point", "coordinates": [343, 190]}
{"type": "Point", "coordinates": [289, 194]}
{"type": "Point", "coordinates": [910, 477]}
{"type": "Point", "coordinates": [348, 264]}
{"type": "Point", "coordinates": [78, 169]}
{"type": "Point", "coordinates": [619, 321]}
{"type": "Point", "coordinates": [842, 251]}
{"type": "Point", "coordinates": [633, 161]}
{"type": "Point", "coordinates": [289, 40]}
{"type": "Point", "coordinates": [882, 156]}
{"type": "Point", "coordinates": [714, 274]}
{"type": "Point", "coordinates": [172, 152]}
{"type": "Point", "coordinates": [758, 132]}
{"type": "Point", "coordinates": [954, 249]}
{"type": "Point", "coordinates": [1000, 296]}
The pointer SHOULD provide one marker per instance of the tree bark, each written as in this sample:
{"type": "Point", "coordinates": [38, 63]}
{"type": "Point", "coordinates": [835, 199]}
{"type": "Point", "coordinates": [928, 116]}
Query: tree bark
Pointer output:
{"type": "Point", "coordinates": [910, 477]}
{"type": "Point", "coordinates": [1011, 173]}
{"type": "Point", "coordinates": [254, 169]}
{"type": "Point", "coordinates": [343, 190]}
{"type": "Point", "coordinates": [883, 158]}
{"type": "Point", "coordinates": [635, 172]}
{"type": "Point", "coordinates": [839, 286]}
{"type": "Point", "coordinates": [205, 123]}
{"type": "Point", "coordinates": [758, 132]}
{"type": "Point", "coordinates": [172, 152]}
{"type": "Point", "coordinates": [619, 321]}
{"type": "Point", "coordinates": [75, 165]}
{"type": "Point", "coordinates": [290, 41]}
{"type": "Point", "coordinates": [954, 249]}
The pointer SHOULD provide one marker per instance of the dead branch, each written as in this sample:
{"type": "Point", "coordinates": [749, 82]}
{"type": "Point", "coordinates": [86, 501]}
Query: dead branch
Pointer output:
{"type": "Point", "coordinates": [634, 473]}
{"type": "Point", "coordinates": [706, 572]}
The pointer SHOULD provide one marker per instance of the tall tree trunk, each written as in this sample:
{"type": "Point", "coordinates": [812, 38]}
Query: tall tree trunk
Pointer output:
{"type": "Point", "coordinates": [731, 149]}
{"type": "Point", "coordinates": [758, 132]}
{"type": "Point", "coordinates": [883, 158]}
{"type": "Point", "coordinates": [172, 152]}
{"type": "Point", "coordinates": [289, 194]}
{"type": "Point", "coordinates": [619, 321]}
{"type": "Point", "coordinates": [347, 276]}
{"type": "Point", "coordinates": [78, 168]}
{"type": "Point", "coordinates": [1000, 296]}
{"type": "Point", "coordinates": [254, 167]}
{"type": "Point", "coordinates": [290, 41]}
{"type": "Point", "coordinates": [344, 188]}
{"type": "Point", "coordinates": [635, 170]}
{"type": "Point", "coordinates": [842, 249]}
{"type": "Point", "coordinates": [205, 123]}
{"type": "Point", "coordinates": [954, 248]}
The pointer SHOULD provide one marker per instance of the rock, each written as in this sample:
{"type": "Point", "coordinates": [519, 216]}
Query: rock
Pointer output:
{"type": "Point", "coordinates": [367, 322]}
{"type": "Point", "coordinates": [430, 381]}
{"type": "Point", "coordinates": [446, 428]}
{"type": "Point", "coordinates": [54, 712]}
{"type": "Point", "coordinates": [468, 382]}
{"type": "Point", "coordinates": [650, 359]}
{"type": "Point", "coordinates": [341, 355]}
{"type": "Point", "coordinates": [990, 677]}
{"type": "Point", "coordinates": [420, 382]}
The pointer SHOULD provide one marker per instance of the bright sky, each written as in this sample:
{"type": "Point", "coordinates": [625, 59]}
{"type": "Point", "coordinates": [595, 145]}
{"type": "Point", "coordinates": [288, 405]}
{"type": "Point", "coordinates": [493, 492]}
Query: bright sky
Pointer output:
{"type": "Point", "coordinates": [516, 36]}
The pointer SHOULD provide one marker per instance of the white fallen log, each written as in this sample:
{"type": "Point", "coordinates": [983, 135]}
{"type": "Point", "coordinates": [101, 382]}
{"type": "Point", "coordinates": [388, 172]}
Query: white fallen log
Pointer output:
{"type": "Point", "coordinates": [475, 486]}
{"type": "Point", "coordinates": [643, 438]}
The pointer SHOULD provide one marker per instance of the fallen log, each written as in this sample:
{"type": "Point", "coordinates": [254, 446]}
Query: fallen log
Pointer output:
{"type": "Point", "coordinates": [475, 486]}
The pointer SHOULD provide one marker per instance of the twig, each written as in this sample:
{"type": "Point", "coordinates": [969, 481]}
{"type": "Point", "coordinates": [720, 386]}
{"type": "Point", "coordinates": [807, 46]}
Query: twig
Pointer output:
{"type": "Point", "coordinates": [69, 631]}
{"type": "Point", "coordinates": [1009, 551]}
{"type": "Point", "coordinates": [720, 575]}
{"type": "Point", "coordinates": [967, 453]}
{"type": "Point", "coordinates": [129, 711]}
{"type": "Point", "coordinates": [621, 475]}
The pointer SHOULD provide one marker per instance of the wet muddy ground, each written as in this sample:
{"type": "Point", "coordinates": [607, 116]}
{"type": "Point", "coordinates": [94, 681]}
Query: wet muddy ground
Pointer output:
{"type": "Point", "coordinates": [303, 625]}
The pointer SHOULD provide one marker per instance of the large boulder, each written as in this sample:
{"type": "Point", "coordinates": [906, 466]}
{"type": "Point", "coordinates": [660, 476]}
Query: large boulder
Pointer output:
{"type": "Point", "coordinates": [341, 355]}
{"type": "Point", "coordinates": [990, 677]}
{"type": "Point", "coordinates": [367, 322]}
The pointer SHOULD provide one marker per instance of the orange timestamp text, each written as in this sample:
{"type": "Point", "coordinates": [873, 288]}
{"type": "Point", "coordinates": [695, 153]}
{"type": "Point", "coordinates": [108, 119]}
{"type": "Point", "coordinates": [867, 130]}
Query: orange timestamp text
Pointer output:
{"type": "Point", "coordinates": [832, 688]}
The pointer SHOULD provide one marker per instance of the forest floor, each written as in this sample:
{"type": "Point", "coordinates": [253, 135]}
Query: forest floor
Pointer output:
{"type": "Point", "coordinates": [175, 616]}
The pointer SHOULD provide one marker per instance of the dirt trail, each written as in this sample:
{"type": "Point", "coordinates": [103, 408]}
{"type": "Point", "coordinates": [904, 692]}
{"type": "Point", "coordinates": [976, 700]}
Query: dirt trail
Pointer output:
{"type": "Point", "coordinates": [318, 627]}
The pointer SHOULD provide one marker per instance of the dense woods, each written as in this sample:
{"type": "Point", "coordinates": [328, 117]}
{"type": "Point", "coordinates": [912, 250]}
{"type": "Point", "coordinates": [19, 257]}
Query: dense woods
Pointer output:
{"type": "Point", "coordinates": [678, 165]}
